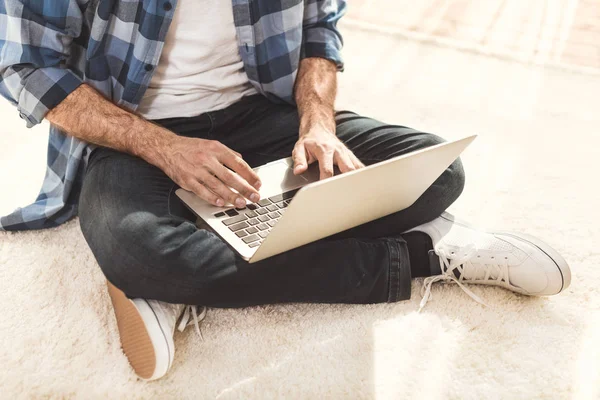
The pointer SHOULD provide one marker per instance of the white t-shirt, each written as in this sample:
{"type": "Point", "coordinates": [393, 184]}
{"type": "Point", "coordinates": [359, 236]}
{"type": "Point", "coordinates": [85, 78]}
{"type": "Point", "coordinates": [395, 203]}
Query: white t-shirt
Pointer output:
{"type": "Point", "coordinates": [200, 68]}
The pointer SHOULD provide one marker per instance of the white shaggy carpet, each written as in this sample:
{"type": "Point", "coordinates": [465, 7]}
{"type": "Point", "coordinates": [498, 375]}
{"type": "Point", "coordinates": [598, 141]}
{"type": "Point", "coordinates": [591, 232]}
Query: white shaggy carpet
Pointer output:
{"type": "Point", "coordinates": [533, 168]}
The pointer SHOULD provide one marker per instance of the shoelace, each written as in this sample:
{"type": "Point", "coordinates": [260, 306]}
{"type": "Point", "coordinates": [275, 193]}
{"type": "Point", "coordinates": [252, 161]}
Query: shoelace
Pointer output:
{"type": "Point", "coordinates": [451, 262]}
{"type": "Point", "coordinates": [190, 316]}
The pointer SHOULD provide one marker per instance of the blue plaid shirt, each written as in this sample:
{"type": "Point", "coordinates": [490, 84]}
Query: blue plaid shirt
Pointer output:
{"type": "Point", "coordinates": [48, 48]}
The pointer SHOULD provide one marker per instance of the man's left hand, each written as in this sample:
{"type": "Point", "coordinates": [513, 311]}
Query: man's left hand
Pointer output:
{"type": "Point", "coordinates": [321, 144]}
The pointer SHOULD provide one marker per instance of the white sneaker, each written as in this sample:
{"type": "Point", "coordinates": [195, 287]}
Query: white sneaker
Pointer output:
{"type": "Point", "coordinates": [516, 262]}
{"type": "Point", "coordinates": [146, 328]}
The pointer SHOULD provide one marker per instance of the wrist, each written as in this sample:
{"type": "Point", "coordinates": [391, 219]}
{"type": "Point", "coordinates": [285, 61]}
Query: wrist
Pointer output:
{"type": "Point", "coordinates": [157, 144]}
{"type": "Point", "coordinates": [322, 120]}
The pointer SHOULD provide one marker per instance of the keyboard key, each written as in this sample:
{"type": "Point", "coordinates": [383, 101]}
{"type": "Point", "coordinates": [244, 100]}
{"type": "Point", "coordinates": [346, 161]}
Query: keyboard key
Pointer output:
{"type": "Point", "coordinates": [272, 207]}
{"type": "Point", "coordinates": [250, 239]}
{"type": "Point", "coordinates": [281, 205]}
{"type": "Point", "coordinates": [290, 194]}
{"type": "Point", "coordinates": [262, 211]}
{"type": "Point", "coordinates": [252, 207]}
{"type": "Point", "coordinates": [240, 209]}
{"type": "Point", "coordinates": [234, 220]}
{"type": "Point", "coordinates": [272, 223]}
{"type": "Point", "coordinates": [231, 213]}
{"type": "Point", "coordinates": [264, 202]}
{"type": "Point", "coordinates": [277, 198]}
{"type": "Point", "coordinates": [252, 230]}
{"type": "Point", "coordinates": [287, 201]}
{"type": "Point", "coordinates": [251, 214]}
{"type": "Point", "coordinates": [263, 234]}
{"type": "Point", "coordinates": [263, 218]}
{"type": "Point", "coordinates": [284, 196]}
{"type": "Point", "coordinates": [274, 215]}
{"type": "Point", "coordinates": [254, 221]}
{"type": "Point", "coordinates": [220, 214]}
{"type": "Point", "coordinates": [237, 227]}
{"type": "Point", "coordinates": [262, 227]}
{"type": "Point", "coordinates": [255, 244]}
{"type": "Point", "coordinates": [241, 234]}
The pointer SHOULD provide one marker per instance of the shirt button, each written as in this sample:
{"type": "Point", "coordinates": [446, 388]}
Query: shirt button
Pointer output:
{"type": "Point", "coordinates": [148, 67]}
{"type": "Point", "coordinates": [167, 6]}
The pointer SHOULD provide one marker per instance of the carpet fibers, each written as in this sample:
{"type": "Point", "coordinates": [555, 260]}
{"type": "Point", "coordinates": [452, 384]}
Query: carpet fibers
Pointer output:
{"type": "Point", "coordinates": [533, 169]}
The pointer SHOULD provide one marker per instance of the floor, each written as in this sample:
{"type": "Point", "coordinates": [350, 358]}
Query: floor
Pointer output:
{"type": "Point", "coordinates": [532, 169]}
{"type": "Point", "coordinates": [559, 32]}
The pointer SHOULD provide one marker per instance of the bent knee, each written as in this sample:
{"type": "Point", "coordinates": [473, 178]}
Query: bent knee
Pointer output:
{"type": "Point", "coordinates": [162, 258]}
{"type": "Point", "coordinates": [453, 178]}
{"type": "Point", "coordinates": [456, 178]}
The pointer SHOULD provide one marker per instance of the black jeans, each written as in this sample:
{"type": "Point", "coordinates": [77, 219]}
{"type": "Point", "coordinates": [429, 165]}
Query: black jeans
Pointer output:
{"type": "Point", "coordinates": [147, 243]}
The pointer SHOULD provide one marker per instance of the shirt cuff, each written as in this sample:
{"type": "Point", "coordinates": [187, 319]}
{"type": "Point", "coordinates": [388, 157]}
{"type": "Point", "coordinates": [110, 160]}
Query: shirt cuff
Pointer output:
{"type": "Point", "coordinates": [323, 43]}
{"type": "Point", "coordinates": [44, 89]}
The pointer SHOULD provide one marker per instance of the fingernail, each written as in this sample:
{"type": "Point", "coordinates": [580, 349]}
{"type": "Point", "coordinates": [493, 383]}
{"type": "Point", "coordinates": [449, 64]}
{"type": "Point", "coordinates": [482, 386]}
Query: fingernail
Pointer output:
{"type": "Point", "coordinates": [239, 203]}
{"type": "Point", "coordinates": [220, 203]}
{"type": "Point", "coordinates": [257, 184]}
{"type": "Point", "coordinates": [254, 197]}
{"type": "Point", "coordinates": [299, 166]}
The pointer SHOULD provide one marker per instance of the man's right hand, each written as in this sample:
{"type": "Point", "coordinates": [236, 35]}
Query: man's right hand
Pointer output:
{"type": "Point", "coordinates": [197, 165]}
{"type": "Point", "coordinates": [200, 166]}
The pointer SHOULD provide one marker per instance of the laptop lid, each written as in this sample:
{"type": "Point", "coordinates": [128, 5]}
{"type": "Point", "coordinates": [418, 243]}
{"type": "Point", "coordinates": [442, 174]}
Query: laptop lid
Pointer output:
{"type": "Point", "coordinates": [323, 208]}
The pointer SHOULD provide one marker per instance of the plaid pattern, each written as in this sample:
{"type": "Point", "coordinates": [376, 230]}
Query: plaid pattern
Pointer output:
{"type": "Point", "coordinates": [48, 48]}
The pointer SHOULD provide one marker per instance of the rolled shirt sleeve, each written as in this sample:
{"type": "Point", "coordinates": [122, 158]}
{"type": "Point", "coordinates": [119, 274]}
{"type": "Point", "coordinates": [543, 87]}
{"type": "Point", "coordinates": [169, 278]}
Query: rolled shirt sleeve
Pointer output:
{"type": "Point", "coordinates": [35, 39]}
{"type": "Point", "coordinates": [320, 36]}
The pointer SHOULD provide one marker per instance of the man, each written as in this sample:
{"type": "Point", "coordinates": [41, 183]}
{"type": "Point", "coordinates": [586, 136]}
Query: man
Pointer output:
{"type": "Point", "coordinates": [146, 96]}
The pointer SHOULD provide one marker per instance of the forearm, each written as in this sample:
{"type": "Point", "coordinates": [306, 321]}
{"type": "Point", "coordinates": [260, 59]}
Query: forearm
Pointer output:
{"type": "Point", "coordinates": [87, 115]}
{"type": "Point", "coordinates": [315, 92]}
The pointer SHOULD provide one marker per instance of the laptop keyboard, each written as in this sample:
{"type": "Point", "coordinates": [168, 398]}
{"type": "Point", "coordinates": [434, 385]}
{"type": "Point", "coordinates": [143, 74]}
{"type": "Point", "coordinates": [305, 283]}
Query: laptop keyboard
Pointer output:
{"type": "Point", "coordinates": [253, 223]}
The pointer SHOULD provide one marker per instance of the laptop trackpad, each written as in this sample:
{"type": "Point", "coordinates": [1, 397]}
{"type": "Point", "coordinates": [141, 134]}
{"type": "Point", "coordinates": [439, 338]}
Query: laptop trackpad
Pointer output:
{"type": "Point", "coordinates": [278, 177]}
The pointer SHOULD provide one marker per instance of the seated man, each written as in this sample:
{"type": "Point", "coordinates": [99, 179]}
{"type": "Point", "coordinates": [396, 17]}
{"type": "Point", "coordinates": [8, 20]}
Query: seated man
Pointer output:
{"type": "Point", "coordinates": [146, 96]}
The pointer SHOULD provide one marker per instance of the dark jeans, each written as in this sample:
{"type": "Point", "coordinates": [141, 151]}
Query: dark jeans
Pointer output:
{"type": "Point", "coordinates": [148, 245]}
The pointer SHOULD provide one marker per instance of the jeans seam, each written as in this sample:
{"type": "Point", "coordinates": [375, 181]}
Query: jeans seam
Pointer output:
{"type": "Point", "coordinates": [394, 271]}
{"type": "Point", "coordinates": [399, 273]}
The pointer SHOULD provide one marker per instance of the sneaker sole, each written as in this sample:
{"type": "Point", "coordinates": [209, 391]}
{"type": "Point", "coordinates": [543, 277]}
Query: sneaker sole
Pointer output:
{"type": "Point", "coordinates": [141, 336]}
{"type": "Point", "coordinates": [559, 261]}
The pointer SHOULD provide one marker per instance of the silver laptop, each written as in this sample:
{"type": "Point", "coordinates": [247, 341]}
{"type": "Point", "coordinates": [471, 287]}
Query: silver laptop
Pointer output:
{"type": "Point", "coordinates": [296, 210]}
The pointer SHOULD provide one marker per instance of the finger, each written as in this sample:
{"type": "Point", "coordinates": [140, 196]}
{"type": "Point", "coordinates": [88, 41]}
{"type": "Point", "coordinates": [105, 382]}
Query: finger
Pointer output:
{"type": "Point", "coordinates": [241, 168]}
{"type": "Point", "coordinates": [325, 162]}
{"type": "Point", "coordinates": [235, 181]}
{"type": "Point", "coordinates": [236, 153]}
{"type": "Point", "coordinates": [194, 186]}
{"type": "Point", "coordinates": [343, 161]}
{"type": "Point", "coordinates": [220, 189]}
{"type": "Point", "coordinates": [299, 157]}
